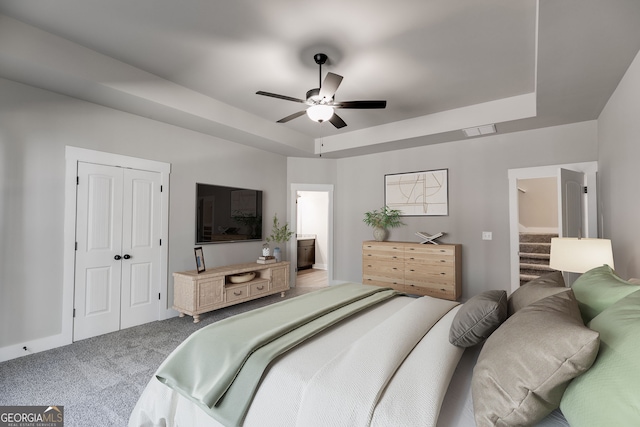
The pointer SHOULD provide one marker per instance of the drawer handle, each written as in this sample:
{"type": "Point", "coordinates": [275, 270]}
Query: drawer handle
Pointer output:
{"type": "Point", "coordinates": [411, 270]}
{"type": "Point", "coordinates": [443, 273]}
{"type": "Point", "coordinates": [368, 254]}
{"type": "Point", "coordinates": [260, 288]}
{"type": "Point", "coordinates": [442, 260]}
{"type": "Point", "coordinates": [237, 293]}
{"type": "Point", "coordinates": [395, 257]}
{"type": "Point", "coordinates": [442, 250]}
{"type": "Point", "coordinates": [395, 268]}
{"type": "Point", "coordinates": [412, 258]}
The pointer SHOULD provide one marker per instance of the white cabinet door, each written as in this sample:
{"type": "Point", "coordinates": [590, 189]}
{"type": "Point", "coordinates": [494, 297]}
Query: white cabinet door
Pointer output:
{"type": "Point", "coordinates": [118, 257]}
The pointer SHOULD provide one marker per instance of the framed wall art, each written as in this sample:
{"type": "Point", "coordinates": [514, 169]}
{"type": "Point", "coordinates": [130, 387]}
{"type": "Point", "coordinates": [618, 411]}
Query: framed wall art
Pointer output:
{"type": "Point", "coordinates": [424, 193]}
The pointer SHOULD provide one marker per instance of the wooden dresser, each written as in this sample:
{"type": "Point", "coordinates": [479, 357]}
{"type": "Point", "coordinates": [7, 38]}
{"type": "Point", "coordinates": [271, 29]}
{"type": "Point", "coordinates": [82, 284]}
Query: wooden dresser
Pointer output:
{"type": "Point", "coordinates": [194, 293]}
{"type": "Point", "coordinates": [414, 268]}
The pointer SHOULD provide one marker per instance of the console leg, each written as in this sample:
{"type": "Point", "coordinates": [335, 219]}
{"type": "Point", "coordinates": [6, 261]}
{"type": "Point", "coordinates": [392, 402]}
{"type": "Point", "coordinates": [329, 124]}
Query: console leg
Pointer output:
{"type": "Point", "coordinates": [196, 318]}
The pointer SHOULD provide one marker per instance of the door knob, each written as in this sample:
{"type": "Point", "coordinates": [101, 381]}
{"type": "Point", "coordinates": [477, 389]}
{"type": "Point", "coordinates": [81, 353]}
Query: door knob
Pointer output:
{"type": "Point", "coordinates": [126, 256]}
{"type": "Point", "coordinates": [117, 257]}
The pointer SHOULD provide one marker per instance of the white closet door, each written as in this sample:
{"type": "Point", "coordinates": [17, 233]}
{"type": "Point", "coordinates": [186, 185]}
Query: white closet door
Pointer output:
{"type": "Point", "coordinates": [118, 256]}
{"type": "Point", "coordinates": [99, 241]}
{"type": "Point", "coordinates": [140, 247]}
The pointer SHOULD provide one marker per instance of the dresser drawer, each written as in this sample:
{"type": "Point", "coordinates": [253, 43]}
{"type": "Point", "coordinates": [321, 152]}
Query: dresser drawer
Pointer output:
{"type": "Point", "coordinates": [433, 270]}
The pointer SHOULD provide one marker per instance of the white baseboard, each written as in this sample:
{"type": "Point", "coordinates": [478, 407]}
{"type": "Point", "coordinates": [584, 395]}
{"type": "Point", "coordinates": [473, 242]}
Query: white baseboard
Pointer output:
{"type": "Point", "coordinates": [48, 343]}
{"type": "Point", "coordinates": [319, 266]}
{"type": "Point", "coordinates": [34, 346]}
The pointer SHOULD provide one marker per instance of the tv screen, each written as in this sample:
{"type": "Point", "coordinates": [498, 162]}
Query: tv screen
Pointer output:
{"type": "Point", "coordinates": [227, 214]}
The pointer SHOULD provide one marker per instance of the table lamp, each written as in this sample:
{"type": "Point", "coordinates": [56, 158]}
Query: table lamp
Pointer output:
{"type": "Point", "coordinates": [577, 255]}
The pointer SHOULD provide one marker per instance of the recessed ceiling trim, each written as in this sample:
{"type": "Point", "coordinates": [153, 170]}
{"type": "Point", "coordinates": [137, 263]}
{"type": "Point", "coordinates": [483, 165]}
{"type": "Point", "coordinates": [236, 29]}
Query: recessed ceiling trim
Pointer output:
{"type": "Point", "coordinates": [501, 110]}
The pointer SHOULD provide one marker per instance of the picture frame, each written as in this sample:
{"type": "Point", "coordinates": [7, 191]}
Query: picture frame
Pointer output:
{"type": "Point", "coordinates": [422, 193]}
{"type": "Point", "coordinates": [199, 259]}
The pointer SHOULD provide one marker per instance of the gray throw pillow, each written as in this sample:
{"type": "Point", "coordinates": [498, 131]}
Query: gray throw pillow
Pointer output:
{"type": "Point", "coordinates": [526, 364]}
{"type": "Point", "coordinates": [478, 318]}
{"type": "Point", "coordinates": [537, 289]}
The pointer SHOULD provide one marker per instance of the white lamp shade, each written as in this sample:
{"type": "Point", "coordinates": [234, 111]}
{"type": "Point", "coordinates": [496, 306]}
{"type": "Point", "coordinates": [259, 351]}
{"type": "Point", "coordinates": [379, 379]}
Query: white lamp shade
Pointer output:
{"type": "Point", "coordinates": [579, 255]}
{"type": "Point", "coordinates": [320, 112]}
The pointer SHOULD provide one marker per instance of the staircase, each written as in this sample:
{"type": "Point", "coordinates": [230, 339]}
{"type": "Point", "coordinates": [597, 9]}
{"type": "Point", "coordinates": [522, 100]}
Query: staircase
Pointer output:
{"type": "Point", "coordinates": [534, 255]}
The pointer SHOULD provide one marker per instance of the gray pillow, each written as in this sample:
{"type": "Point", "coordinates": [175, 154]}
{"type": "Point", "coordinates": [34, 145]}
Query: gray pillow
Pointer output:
{"type": "Point", "coordinates": [527, 363]}
{"type": "Point", "coordinates": [478, 318]}
{"type": "Point", "coordinates": [537, 289]}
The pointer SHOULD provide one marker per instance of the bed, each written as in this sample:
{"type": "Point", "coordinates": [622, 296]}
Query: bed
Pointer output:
{"type": "Point", "coordinates": [392, 362]}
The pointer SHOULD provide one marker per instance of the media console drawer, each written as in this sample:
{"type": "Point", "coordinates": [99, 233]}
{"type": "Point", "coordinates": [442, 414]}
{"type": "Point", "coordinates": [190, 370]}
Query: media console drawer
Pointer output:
{"type": "Point", "coordinates": [194, 294]}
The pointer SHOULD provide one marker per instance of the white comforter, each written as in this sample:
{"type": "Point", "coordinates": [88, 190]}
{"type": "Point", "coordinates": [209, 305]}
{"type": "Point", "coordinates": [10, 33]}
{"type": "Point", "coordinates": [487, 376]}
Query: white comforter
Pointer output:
{"type": "Point", "coordinates": [338, 375]}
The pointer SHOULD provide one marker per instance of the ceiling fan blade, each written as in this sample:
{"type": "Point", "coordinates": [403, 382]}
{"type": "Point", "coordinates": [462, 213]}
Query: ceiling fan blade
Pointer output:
{"type": "Point", "coordinates": [361, 104]}
{"type": "Point", "coordinates": [330, 85]}
{"type": "Point", "coordinates": [337, 121]}
{"type": "Point", "coordinates": [292, 116]}
{"type": "Point", "coordinates": [275, 95]}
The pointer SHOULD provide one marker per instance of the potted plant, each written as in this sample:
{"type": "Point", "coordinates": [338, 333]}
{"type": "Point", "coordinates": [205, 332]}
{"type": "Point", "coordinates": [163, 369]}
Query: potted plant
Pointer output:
{"type": "Point", "coordinates": [279, 234]}
{"type": "Point", "coordinates": [382, 219]}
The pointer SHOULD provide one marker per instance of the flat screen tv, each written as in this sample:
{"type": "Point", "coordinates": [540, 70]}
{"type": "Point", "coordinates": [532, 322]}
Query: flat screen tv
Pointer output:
{"type": "Point", "coordinates": [227, 214]}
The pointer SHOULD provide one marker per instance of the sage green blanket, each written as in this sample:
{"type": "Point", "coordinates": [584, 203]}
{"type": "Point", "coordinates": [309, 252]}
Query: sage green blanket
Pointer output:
{"type": "Point", "coordinates": [220, 366]}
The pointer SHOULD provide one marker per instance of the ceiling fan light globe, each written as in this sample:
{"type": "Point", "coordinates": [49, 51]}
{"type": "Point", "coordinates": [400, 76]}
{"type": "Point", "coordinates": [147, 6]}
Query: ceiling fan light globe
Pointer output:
{"type": "Point", "coordinates": [320, 113]}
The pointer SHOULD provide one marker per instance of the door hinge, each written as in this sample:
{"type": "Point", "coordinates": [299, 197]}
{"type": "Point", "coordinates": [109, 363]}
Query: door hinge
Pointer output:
{"type": "Point", "coordinates": [160, 242]}
{"type": "Point", "coordinates": [585, 190]}
{"type": "Point", "coordinates": [158, 295]}
{"type": "Point", "coordinates": [161, 188]}
{"type": "Point", "coordinates": [74, 312]}
{"type": "Point", "coordinates": [77, 180]}
{"type": "Point", "coordinates": [76, 246]}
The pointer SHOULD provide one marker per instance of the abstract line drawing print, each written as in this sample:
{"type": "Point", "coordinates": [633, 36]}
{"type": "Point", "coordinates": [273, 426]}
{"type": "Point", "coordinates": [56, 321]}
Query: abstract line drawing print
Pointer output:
{"type": "Point", "coordinates": [418, 193]}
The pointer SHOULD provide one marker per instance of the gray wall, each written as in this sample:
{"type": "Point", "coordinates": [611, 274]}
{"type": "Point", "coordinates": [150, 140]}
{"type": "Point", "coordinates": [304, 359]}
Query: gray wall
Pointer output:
{"type": "Point", "coordinates": [478, 196]}
{"type": "Point", "coordinates": [619, 158]}
{"type": "Point", "coordinates": [35, 127]}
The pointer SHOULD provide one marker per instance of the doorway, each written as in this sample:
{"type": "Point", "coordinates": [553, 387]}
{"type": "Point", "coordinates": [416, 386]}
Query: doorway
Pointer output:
{"type": "Point", "coordinates": [575, 210]}
{"type": "Point", "coordinates": [118, 249]}
{"type": "Point", "coordinates": [312, 219]}
{"type": "Point", "coordinates": [131, 184]}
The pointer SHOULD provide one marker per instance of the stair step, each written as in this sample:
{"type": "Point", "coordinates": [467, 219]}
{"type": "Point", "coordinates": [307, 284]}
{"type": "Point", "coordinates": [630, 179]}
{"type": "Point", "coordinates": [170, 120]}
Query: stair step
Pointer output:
{"type": "Point", "coordinates": [535, 248]}
{"type": "Point", "coordinates": [537, 237]}
{"type": "Point", "coordinates": [528, 258]}
{"type": "Point", "coordinates": [535, 269]}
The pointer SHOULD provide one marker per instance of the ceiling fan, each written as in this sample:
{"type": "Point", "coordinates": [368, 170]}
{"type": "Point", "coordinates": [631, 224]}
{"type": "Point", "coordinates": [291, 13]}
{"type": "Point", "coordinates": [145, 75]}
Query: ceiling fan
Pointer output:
{"type": "Point", "coordinates": [320, 101]}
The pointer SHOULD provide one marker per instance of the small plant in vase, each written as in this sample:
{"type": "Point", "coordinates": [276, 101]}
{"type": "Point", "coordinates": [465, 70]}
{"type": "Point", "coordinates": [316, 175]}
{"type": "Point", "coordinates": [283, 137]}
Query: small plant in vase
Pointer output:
{"type": "Point", "coordinates": [381, 220]}
{"type": "Point", "coordinates": [279, 234]}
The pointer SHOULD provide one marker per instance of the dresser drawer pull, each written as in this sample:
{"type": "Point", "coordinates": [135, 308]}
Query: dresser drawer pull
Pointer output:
{"type": "Point", "coordinates": [411, 258]}
{"type": "Point", "coordinates": [411, 270]}
{"type": "Point", "coordinates": [443, 273]}
{"type": "Point", "coordinates": [260, 287]}
{"type": "Point", "coordinates": [237, 293]}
